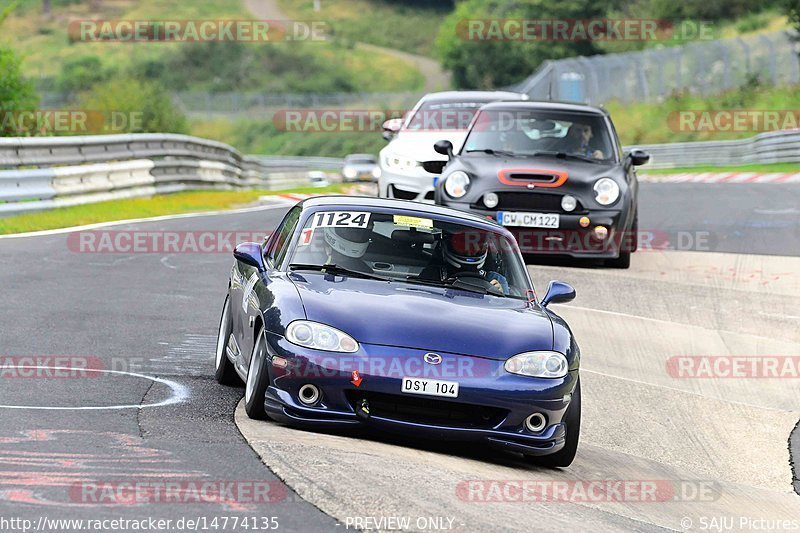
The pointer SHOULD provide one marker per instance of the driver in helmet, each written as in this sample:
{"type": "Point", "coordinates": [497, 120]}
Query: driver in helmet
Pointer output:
{"type": "Point", "coordinates": [466, 253]}
{"type": "Point", "coordinates": [346, 246]}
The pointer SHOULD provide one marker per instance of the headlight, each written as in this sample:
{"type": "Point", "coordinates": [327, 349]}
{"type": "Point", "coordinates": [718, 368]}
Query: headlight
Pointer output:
{"type": "Point", "coordinates": [538, 365]}
{"type": "Point", "coordinates": [376, 172]}
{"type": "Point", "coordinates": [320, 337]}
{"type": "Point", "coordinates": [349, 172]}
{"type": "Point", "coordinates": [606, 191]}
{"type": "Point", "coordinates": [456, 184]}
{"type": "Point", "coordinates": [400, 163]}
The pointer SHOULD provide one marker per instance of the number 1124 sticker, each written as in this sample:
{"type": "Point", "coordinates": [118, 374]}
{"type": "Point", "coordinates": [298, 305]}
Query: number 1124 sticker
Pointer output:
{"type": "Point", "coordinates": [341, 219]}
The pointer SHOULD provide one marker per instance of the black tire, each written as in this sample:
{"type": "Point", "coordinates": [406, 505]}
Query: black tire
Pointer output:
{"type": "Point", "coordinates": [622, 261]}
{"type": "Point", "coordinates": [224, 372]}
{"type": "Point", "coordinates": [255, 387]}
{"type": "Point", "coordinates": [565, 455]}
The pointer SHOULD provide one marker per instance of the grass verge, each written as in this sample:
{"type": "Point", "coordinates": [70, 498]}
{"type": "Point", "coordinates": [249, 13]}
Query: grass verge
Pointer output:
{"type": "Point", "coordinates": [168, 204]}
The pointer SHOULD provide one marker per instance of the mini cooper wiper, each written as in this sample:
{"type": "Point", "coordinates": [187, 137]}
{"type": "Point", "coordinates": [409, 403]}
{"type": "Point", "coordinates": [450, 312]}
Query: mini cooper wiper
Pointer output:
{"type": "Point", "coordinates": [565, 155]}
{"type": "Point", "coordinates": [491, 151]}
{"type": "Point", "coordinates": [329, 268]}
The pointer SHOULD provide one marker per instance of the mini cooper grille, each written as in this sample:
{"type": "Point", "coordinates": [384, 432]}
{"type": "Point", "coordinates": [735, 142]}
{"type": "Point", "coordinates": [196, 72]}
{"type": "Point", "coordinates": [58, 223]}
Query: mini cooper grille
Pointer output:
{"type": "Point", "coordinates": [429, 411]}
{"type": "Point", "coordinates": [529, 201]}
{"type": "Point", "coordinates": [434, 167]}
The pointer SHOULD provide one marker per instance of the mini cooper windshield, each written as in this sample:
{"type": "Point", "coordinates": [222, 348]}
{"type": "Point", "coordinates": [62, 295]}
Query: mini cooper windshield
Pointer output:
{"type": "Point", "coordinates": [411, 249]}
{"type": "Point", "coordinates": [541, 133]}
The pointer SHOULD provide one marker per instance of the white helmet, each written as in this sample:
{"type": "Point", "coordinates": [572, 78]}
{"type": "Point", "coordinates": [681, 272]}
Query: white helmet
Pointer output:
{"type": "Point", "coordinates": [350, 242]}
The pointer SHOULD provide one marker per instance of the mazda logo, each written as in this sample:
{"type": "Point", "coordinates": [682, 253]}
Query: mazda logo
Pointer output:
{"type": "Point", "coordinates": [432, 358]}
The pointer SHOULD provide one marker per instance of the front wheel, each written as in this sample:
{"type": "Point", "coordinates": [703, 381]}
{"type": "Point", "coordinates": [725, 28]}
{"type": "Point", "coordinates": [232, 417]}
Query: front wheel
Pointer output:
{"type": "Point", "coordinates": [257, 380]}
{"type": "Point", "coordinates": [623, 261]}
{"type": "Point", "coordinates": [224, 372]}
{"type": "Point", "coordinates": [572, 419]}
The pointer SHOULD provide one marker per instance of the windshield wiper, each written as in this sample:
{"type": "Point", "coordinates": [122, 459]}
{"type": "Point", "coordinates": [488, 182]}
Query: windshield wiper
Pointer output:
{"type": "Point", "coordinates": [491, 151]}
{"type": "Point", "coordinates": [565, 155]}
{"type": "Point", "coordinates": [330, 268]}
{"type": "Point", "coordinates": [455, 284]}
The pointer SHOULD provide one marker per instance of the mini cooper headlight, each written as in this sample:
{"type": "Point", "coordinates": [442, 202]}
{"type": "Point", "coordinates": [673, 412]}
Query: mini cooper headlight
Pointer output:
{"type": "Point", "coordinates": [456, 184]}
{"type": "Point", "coordinates": [606, 191]}
{"type": "Point", "coordinates": [320, 337]}
{"type": "Point", "coordinates": [538, 365]}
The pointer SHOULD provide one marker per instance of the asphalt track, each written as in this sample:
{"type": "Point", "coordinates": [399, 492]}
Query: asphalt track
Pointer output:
{"type": "Point", "coordinates": [156, 315]}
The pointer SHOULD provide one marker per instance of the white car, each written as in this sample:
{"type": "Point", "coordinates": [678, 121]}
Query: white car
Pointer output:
{"type": "Point", "coordinates": [409, 165]}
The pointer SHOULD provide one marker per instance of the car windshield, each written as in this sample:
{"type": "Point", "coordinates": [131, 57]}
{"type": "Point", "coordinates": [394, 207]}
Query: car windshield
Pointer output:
{"type": "Point", "coordinates": [360, 161]}
{"type": "Point", "coordinates": [410, 249]}
{"type": "Point", "coordinates": [541, 133]}
{"type": "Point", "coordinates": [436, 116]}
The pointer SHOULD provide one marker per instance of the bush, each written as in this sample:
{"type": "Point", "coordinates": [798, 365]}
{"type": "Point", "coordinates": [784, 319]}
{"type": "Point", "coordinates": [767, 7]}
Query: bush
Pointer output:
{"type": "Point", "coordinates": [16, 92]}
{"type": "Point", "coordinates": [146, 106]}
{"type": "Point", "coordinates": [81, 74]}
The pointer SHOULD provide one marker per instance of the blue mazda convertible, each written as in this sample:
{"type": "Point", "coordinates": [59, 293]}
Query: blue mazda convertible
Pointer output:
{"type": "Point", "coordinates": [401, 317]}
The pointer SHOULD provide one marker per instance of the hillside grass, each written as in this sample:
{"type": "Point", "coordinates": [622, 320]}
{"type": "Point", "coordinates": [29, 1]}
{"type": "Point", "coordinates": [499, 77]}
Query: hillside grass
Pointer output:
{"type": "Point", "coordinates": [387, 23]}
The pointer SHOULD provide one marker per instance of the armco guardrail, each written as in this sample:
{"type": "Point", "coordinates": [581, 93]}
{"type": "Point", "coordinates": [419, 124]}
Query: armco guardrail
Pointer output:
{"type": "Point", "coordinates": [46, 172]}
{"type": "Point", "coordinates": [769, 147]}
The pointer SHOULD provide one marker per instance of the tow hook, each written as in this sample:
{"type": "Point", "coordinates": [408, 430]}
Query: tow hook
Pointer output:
{"type": "Point", "coordinates": [362, 411]}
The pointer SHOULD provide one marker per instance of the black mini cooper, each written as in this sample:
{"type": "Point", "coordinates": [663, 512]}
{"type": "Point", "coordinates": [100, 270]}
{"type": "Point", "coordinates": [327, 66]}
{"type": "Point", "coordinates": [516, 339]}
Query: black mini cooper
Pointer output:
{"type": "Point", "coordinates": [553, 173]}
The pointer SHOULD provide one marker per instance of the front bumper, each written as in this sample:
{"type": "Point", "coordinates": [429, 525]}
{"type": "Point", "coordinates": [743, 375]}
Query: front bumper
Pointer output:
{"type": "Point", "coordinates": [417, 184]}
{"type": "Point", "coordinates": [491, 405]}
{"type": "Point", "coordinates": [570, 238]}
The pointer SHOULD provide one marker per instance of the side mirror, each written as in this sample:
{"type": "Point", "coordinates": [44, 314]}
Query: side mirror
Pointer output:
{"type": "Point", "coordinates": [391, 127]}
{"type": "Point", "coordinates": [444, 148]}
{"type": "Point", "coordinates": [558, 292]}
{"type": "Point", "coordinates": [638, 157]}
{"type": "Point", "coordinates": [250, 253]}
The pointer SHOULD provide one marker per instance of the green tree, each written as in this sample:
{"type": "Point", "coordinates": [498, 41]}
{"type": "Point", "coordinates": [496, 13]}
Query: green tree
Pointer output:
{"type": "Point", "coordinates": [492, 63]}
{"type": "Point", "coordinates": [16, 94]}
{"type": "Point", "coordinates": [141, 106]}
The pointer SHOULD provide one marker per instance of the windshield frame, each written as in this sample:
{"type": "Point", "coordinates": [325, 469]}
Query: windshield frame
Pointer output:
{"type": "Point", "coordinates": [488, 226]}
{"type": "Point", "coordinates": [609, 126]}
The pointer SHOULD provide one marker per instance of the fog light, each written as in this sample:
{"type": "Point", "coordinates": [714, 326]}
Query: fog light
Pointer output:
{"type": "Point", "coordinates": [584, 222]}
{"type": "Point", "coordinates": [568, 203]}
{"type": "Point", "coordinates": [535, 423]}
{"type": "Point", "coordinates": [309, 394]}
{"type": "Point", "coordinates": [490, 200]}
{"type": "Point", "coordinates": [600, 232]}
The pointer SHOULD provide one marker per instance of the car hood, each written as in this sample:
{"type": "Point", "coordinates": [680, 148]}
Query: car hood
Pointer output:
{"type": "Point", "coordinates": [424, 317]}
{"type": "Point", "coordinates": [418, 145]}
{"type": "Point", "coordinates": [578, 172]}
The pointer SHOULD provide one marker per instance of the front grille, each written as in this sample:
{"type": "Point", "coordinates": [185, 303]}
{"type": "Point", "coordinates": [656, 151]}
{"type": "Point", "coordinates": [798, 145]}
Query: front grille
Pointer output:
{"type": "Point", "coordinates": [434, 167]}
{"type": "Point", "coordinates": [402, 195]}
{"type": "Point", "coordinates": [428, 411]}
{"type": "Point", "coordinates": [528, 201]}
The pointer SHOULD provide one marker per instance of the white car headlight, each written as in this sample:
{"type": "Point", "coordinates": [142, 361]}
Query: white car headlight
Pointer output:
{"type": "Point", "coordinates": [606, 191]}
{"type": "Point", "coordinates": [456, 184]}
{"type": "Point", "coordinates": [400, 163]}
{"type": "Point", "coordinates": [376, 172]}
{"type": "Point", "coordinates": [349, 172]}
{"type": "Point", "coordinates": [538, 365]}
{"type": "Point", "coordinates": [320, 337]}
